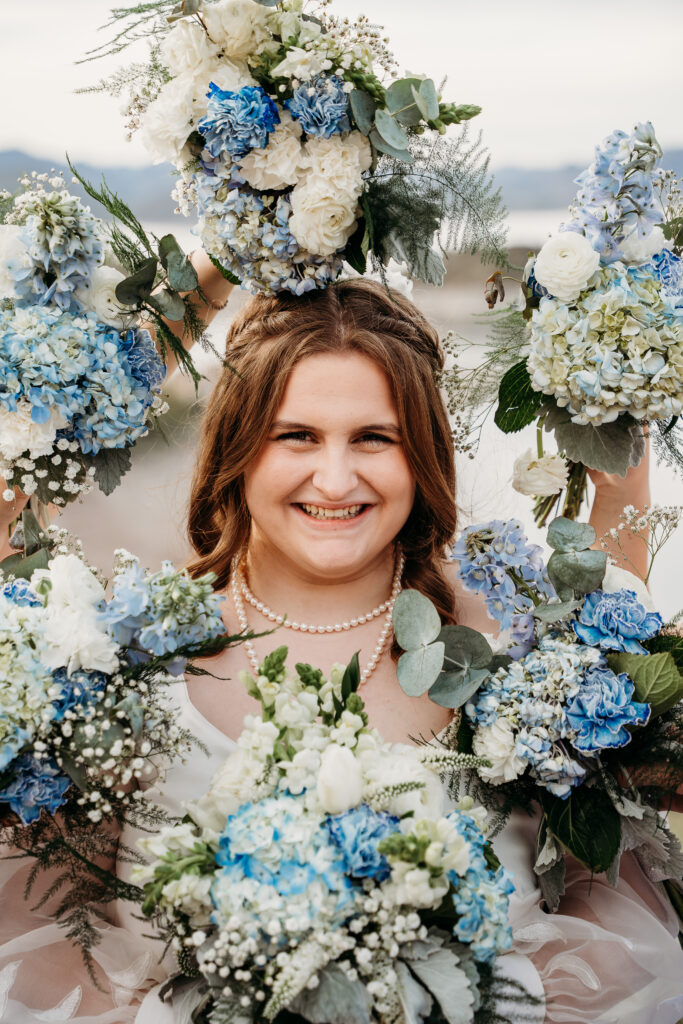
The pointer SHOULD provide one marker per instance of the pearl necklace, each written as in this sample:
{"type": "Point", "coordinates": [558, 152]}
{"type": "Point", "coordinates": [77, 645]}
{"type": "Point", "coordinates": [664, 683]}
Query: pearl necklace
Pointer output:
{"type": "Point", "coordinates": [239, 589]}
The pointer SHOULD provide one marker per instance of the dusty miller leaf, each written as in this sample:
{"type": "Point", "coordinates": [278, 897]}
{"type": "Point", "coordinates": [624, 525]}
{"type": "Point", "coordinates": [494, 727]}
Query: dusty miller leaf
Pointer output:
{"type": "Point", "coordinates": [610, 447]}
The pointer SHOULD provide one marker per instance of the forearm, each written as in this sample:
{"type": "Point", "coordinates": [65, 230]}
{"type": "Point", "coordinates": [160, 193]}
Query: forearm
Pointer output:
{"type": "Point", "coordinates": [612, 494]}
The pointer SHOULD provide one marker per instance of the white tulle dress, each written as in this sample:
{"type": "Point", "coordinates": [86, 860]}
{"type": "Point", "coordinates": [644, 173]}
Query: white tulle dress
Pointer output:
{"type": "Point", "coordinates": [609, 956]}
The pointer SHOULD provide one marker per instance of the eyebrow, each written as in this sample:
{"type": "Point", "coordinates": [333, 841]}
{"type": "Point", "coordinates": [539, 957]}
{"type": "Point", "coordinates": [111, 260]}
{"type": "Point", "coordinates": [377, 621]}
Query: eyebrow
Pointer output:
{"type": "Point", "coordinates": [385, 428]}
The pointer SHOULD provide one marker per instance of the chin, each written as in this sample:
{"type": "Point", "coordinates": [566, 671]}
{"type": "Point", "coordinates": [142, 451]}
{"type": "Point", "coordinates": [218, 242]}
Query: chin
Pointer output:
{"type": "Point", "coordinates": [336, 557]}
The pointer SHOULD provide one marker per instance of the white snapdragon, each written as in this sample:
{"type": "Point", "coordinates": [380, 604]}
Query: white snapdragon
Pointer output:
{"type": "Point", "coordinates": [12, 249]}
{"type": "Point", "coordinates": [100, 298]}
{"type": "Point", "coordinates": [566, 264]}
{"type": "Point", "coordinates": [21, 435]}
{"type": "Point", "coordinates": [276, 166]}
{"type": "Point", "coordinates": [192, 895]}
{"type": "Point", "coordinates": [538, 477]}
{"type": "Point", "coordinates": [340, 780]}
{"type": "Point", "coordinates": [258, 737]}
{"type": "Point", "coordinates": [238, 27]}
{"type": "Point", "coordinates": [415, 886]}
{"type": "Point", "coordinates": [496, 743]}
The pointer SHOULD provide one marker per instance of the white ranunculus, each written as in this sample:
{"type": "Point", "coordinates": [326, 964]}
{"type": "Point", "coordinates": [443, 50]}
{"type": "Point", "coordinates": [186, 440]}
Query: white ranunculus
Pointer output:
{"type": "Point", "coordinates": [229, 788]}
{"type": "Point", "coordinates": [276, 166]}
{"type": "Point", "coordinates": [398, 278]}
{"type": "Point", "coordinates": [238, 27]}
{"type": "Point", "coordinates": [169, 121]}
{"type": "Point", "coordinates": [100, 298]}
{"type": "Point", "coordinates": [617, 578]}
{"type": "Point", "coordinates": [340, 161]}
{"type": "Point", "coordinates": [636, 250]}
{"type": "Point", "coordinates": [186, 47]}
{"type": "Point", "coordinates": [11, 248]}
{"type": "Point", "coordinates": [302, 64]}
{"type": "Point", "coordinates": [566, 264]}
{"type": "Point", "coordinates": [539, 477]}
{"type": "Point", "coordinates": [323, 218]}
{"type": "Point", "coordinates": [496, 743]}
{"type": "Point", "coordinates": [20, 435]}
{"type": "Point", "coordinates": [340, 780]}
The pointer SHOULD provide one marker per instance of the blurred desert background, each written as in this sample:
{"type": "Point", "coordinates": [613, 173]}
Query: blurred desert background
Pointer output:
{"type": "Point", "coordinates": [553, 80]}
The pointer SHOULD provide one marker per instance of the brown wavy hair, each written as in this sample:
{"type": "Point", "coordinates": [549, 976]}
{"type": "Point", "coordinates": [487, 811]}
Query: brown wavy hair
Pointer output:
{"type": "Point", "coordinates": [268, 337]}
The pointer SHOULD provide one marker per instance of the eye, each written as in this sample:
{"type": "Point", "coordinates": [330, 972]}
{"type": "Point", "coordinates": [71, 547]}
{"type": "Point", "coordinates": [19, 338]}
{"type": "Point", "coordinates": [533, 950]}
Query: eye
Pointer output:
{"type": "Point", "coordinates": [373, 440]}
{"type": "Point", "coordinates": [295, 436]}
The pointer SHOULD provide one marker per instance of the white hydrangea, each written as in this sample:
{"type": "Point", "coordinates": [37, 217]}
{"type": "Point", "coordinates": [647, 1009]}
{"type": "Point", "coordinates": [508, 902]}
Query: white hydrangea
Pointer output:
{"type": "Point", "coordinates": [276, 166]}
{"type": "Point", "coordinates": [238, 27]}
{"type": "Point", "coordinates": [566, 264]}
{"type": "Point", "coordinates": [230, 787]}
{"type": "Point", "coordinates": [21, 435]}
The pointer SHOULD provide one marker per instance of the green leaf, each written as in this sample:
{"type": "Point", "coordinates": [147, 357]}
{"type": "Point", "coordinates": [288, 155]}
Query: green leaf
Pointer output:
{"type": "Point", "coordinates": [351, 678]}
{"type": "Point", "coordinates": [363, 110]}
{"type": "Point", "coordinates": [400, 101]}
{"type": "Point", "coordinates": [583, 571]}
{"type": "Point", "coordinates": [169, 304]}
{"type": "Point", "coordinates": [137, 288]}
{"type": "Point", "coordinates": [418, 669]}
{"type": "Point", "coordinates": [223, 271]}
{"type": "Point", "coordinates": [416, 620]}
{"type": "Point", "coordinates": [429, 98]}
{"type": "Point", "coordinates": [671, 642]}
{"type": "Point", "coordinates": [182, 277]}
{"type": "Point", "coordinates": [610, 448]}
{"type": "Point", "coordinates": [568, 535]}
{"type": "Point", "coordinates": [555, 611]}
{"type": "Point", "coordinates": [111, 464]}
{"type": "Point", "coordinates": [75, 773]}
{"type": "Point", "coordinates": [453, 689]}
{"type": "Point", "coordinates": [135, 713]}
{"type": "Point", "coordinates": [353, 253]}
{"type": "Point", "coordinates": [390, 130]}
{"type": "Point", "coordinates": [423, 261]}
{"type": "Point", "coordinates": [518, 403]}
{"type": "Point", "coordinates": [34, 536]}
{"type": "Point", "coordinates": [656, 678]}
{"type": "Point", "coordinates": [587, 823]}
{"type": "Point", "coordinates": [384, 147]}
{"type": "Point", "coordinates": [25, 567]}
{"type": "Point", "coordinates": [441, 975]}
{"type": "Point", "coordinates": [334, 1000]}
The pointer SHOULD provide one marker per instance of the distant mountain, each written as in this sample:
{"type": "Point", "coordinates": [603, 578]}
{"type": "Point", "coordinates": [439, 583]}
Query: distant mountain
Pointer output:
{"type": "Point", "coordinates": [147, 189]}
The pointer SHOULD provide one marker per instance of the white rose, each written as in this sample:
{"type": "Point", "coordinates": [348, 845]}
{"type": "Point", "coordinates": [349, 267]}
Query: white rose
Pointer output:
{"type": "Point", "coordinates": [323, 219]}
{"type": "Point", "coordinates": [186, 47]}
{"type": "Point", "coordinates": [276, 166]}
{"type": "Point", "coordinates": [617, 578]}
{"type": "Point", "coordinates": [20, 435]}
{"type": "Point", "coordinates": [170, 119]}
{"type": "Point", "coordinates": [496, 743]}
{"type": "Point", "coordinates": [566, 264]}
{"type": "Point", "coordinates": [539, 477]}
{"type": "Point", "coordinates": [340, 780]}
{"type": "Point", "coordinates": [11, 248]}
{"type": "Point", "coordinates": [340, 161]}
{"type": "Point", "coordinates": [238, 27]}
{"type": "Point", "coordinates": [229, 789]}
{"type": "Point", "coordinates": [636, 250]}
{"type": "Point", "coordinates": [100, 298]}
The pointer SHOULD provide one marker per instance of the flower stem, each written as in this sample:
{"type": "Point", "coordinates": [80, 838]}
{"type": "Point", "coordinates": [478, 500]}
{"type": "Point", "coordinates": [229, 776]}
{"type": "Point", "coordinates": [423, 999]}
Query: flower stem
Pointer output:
{"type": "Point", "coordinates": [539, 439]}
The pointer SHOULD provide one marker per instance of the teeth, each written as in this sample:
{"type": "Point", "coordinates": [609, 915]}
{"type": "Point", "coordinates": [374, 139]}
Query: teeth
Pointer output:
{"type": "Point", "coordinates": [332, 513]}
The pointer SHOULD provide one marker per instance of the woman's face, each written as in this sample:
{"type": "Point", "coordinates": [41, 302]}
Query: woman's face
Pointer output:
{"type": "Point", "coordinates": [331, 487]}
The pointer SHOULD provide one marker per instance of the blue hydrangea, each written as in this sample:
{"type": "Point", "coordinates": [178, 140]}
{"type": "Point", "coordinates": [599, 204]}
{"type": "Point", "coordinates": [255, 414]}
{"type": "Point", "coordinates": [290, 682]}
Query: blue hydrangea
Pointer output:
{"type": "Point", "coordinates": [238, 121]}
{"type": "Point", "coordinates": [602, 710]}
{"type": "Point", "coordinates": [36, 785]}
{"type": "Point", "coordinates": [357, 833]}
{"type": "Point", "coordinates": [79, 691]}
{"type": "Point", "coordinates": [19, 591]}
{"type": "Point", "coordinates": [616, 622]}
{"type": "Point", "coordinates": [668, 268]}
{"type": "Point", "coordinates": [321, 106]}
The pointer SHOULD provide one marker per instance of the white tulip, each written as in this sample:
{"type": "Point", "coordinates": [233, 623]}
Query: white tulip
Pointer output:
{"type": "Point", "coordinates": [340, 780]}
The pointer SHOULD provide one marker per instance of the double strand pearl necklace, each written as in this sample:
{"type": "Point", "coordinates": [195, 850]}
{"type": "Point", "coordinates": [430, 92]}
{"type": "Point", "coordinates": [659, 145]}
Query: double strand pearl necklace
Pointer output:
{"type": "Point", "coordinates": [240, 590]}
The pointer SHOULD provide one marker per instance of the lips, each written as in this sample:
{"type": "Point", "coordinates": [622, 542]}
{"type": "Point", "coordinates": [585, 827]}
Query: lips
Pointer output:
{"type": "Point", "coordinates": [323, 513]}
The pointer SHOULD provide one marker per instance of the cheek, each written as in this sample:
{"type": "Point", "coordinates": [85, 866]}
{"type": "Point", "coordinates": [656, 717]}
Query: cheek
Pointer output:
{"type": "Point", "coordinates": [270, 478]}
{"type": "Point", "coordinates": [395, 482]}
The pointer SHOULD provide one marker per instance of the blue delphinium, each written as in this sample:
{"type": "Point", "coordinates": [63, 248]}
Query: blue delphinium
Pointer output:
{"type": "Point", "coordinates": [238, 121]}
{"type": "Point", "coordinates": [357, 833]}
{"type": "Point", "coordinates": [616, 622]}
{"type": "Point", "coordinates": [321, 106]}
{"type": "Point", "coordinates": [36, 785]}
{"type": "Point", "coordinates": [602, 710]}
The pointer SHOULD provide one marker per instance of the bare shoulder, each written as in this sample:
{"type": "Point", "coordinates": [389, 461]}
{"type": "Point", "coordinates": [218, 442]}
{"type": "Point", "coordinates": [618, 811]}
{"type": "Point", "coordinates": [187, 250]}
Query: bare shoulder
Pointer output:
{"type": "Point", "coordinates": [470, 609]}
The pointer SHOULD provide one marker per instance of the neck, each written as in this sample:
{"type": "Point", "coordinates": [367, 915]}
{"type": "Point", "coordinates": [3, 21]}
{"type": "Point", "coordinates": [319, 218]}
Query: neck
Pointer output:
{"type": "Point", "coordinates": [285, 588]}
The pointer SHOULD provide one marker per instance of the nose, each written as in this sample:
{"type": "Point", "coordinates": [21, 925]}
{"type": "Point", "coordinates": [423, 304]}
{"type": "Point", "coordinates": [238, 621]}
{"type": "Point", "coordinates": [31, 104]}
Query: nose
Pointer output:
{"type": "Point", "coordinates": [334, 475]}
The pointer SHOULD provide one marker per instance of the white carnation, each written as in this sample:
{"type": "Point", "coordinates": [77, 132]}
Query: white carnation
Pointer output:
{"type": "Point", "coordinates": [11, 248]}
{"type": "Point", "coordinates": [238, 27]}
{"type": "Point", "coordinates": [496, 742]}
{"type": "Point", "coordinates": [539, 477]}
{"type": "Point", "coordinates": [340, 161]}
{"type": "Point", "coordinates": [340, 780]}
{"type": "Point", "coordinates": [276, 166]}
{"type": "Point", "coordinates": [186, 47]}
{"type": "Point", "coordinates": [617, 578]}
{"type": "Point", "coordinates": [230, 76]}
{"type": "Point", "coordinates": [566, 264]}
{"type": "Point", "coordinates": [636, 250]}
{"type": "Point", "coordinates": [169, 121]}
{"type": "Point", "coordinates": [20, 435]}
{"type": "Point", "coordinates": [323, 218]}
{"type": "Point", "coordinates": [100, 298]}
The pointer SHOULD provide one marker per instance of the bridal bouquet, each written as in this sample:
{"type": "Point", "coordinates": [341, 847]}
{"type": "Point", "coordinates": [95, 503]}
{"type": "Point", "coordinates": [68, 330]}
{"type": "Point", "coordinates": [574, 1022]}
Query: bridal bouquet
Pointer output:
{"type": "Point", "coordinates": [323, 876]}
{"type": "Point", "coordinates": [297, 145]}
{"type": "Point", "coordinates": [579, 711]}
{"type": "Point", "coordinates": [84, 709]}
{"type": "Point", "coordinates": [80, 378]}
{"type": "Point", "coordinates": [598, 349]}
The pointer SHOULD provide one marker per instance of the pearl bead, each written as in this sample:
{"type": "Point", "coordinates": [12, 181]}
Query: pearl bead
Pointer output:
{"type": "Point", "coordinates": [354, 622]}
{"type": "Point", "coordinates": [338, 628]}
{"type": "Point", "coordinates": [346, 625]}
{"type": "Point", "coordinates": [294, 625]}
{"type": "Point", "coordinates": [362, 619]}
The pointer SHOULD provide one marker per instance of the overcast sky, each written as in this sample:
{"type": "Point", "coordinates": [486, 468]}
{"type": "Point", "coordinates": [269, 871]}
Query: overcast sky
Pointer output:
{"type": "Point", "coordinates": [553, 77]}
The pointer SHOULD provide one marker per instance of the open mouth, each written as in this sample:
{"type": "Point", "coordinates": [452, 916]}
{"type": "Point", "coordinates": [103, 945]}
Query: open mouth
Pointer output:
{"type": "Point", "coordinates": [321, 513]}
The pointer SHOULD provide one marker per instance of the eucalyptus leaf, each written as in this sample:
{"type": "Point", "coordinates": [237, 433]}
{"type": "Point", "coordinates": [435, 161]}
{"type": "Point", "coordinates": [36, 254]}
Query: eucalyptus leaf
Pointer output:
{"type": "Point", "coordinates": [428, 95]}
{"type": "Point", "coordinates": [137, 288]}
{"type": "Point", "coordinates": [400, 100]}
{"type": "Point", "coordinates": [390, 130]}
{"type": "Point", "coordinates": [656, 678]}
{"type": "Point", "coordinates": [111, 464]}
{"type": "Point", "coordinates": [25, 567]}
{"type": "Point", "coordinates": [453, 689]}
{"type": "Point", "coordinates": [34, 535]}
{"type": "Point", "coordinates": [587, 823]}
{"type": "Point", "coordinates": [465, 647]}
{"type": "Point", "coordinates": [384, 147]}
{"type": "Point", "coordinates": [363, 109]}
{"type": "Point", "coordinates": [334, 1000]}
{"type": "Point", "coordinates": [518, 403]}
{"type": "Point", "coordinates": [583, 571]}
{"type": "Point", "coordinates": [442, 975]}
{"type": "Point", "coordinates": [567, 535]}
{"type": "Point", "coordinates": [418, 669]}
{"type": "Point", "coordinates": [555, 611]}
{"type": "Point", "coordinates": [169, 304]}
{"type": "Point", "coordinates": [415, 619]}
{"type": "Point", "coordinates": [167, 245]}
{"type": "Point", "coordinates": [134, 712]}
{"type": "Point", "coordinates": [182, 277]}
{"type": "Point", "coordinates": [610, 447]}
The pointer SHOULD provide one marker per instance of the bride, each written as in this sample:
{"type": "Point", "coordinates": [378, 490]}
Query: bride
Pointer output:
{"type": "Point", "coordinates": [325, 482]}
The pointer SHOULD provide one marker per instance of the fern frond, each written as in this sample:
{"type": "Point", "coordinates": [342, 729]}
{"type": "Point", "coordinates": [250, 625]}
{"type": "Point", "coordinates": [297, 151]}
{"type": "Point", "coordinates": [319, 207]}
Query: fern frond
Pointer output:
{"type": "Point", "coordinates": [116, 207]}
